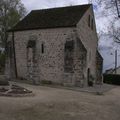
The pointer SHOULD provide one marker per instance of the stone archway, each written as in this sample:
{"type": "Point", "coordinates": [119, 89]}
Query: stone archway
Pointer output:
{"type": "Point", "coordinates": [30, 59]}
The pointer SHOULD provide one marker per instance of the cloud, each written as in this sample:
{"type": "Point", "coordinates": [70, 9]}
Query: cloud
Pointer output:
{"type": "Point", "coordinates": [40, 4]}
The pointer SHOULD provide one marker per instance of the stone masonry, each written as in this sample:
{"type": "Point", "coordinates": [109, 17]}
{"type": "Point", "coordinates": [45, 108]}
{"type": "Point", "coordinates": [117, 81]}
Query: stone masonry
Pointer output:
{"type": "Point", "coordinates": [62, 55]}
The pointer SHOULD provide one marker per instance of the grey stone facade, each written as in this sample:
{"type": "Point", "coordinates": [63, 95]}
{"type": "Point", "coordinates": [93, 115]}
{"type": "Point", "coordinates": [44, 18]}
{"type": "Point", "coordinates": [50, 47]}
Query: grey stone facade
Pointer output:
{"type": "Point", "coordinates": [61, 55]}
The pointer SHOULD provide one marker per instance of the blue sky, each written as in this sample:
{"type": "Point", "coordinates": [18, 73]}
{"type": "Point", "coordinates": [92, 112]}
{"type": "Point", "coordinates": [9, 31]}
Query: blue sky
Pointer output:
{"type": "Point", "coordinates": [101, 23]}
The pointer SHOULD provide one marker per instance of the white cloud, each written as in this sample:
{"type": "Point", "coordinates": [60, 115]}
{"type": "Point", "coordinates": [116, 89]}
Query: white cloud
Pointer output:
{"type": "Point", "coordinates": [40, 4]}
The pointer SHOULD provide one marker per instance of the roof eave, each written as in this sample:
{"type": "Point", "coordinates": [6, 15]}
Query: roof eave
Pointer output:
{"type": "Point", "coordinates": [26, 29]}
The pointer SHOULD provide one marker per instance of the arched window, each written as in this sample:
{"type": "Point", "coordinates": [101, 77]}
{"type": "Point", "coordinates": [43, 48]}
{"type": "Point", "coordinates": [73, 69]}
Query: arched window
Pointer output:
{"type": "Point", "coordinates": [68, 56]}
{"type": "Point", "coordinates": [31, 49]}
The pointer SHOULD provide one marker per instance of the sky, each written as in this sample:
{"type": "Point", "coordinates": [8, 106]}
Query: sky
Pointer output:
{"type": "Point", "coordinates": [107, 46]}
{"type": "Point", "coordinates": [40, 4]}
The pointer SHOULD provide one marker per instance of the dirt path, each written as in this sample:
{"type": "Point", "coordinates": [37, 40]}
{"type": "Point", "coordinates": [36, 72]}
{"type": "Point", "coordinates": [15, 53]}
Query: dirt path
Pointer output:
{"type": "Point", "coordinates": [58, 104]}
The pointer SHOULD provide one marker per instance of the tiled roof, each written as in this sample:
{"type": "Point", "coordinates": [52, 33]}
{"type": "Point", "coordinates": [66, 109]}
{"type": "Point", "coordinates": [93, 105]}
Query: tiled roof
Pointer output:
{"type": "Point", "coordinates": [52, 18]}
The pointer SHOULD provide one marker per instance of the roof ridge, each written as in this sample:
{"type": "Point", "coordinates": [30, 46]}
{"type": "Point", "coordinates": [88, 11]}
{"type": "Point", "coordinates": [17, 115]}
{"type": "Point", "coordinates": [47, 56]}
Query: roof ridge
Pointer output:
{"type": "Point", "coordinates": [60, 7]}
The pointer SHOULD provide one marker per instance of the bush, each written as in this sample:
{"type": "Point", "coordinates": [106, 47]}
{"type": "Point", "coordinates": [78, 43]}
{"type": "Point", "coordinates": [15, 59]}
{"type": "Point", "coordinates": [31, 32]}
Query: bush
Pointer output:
{"type": "Point", "coordinates": [111, 79]}
{"type": "Point", "coordinates": [46, 82]}
{"type": "Point", "coordinates": [4, 82]}
{"type": "Point", "coordinates": [2, 61]}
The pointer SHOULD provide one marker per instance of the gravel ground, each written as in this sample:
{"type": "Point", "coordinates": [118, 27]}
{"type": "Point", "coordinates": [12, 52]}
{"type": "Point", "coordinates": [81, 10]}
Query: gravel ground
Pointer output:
{"type": "Point", "coordinates": [60, 104]}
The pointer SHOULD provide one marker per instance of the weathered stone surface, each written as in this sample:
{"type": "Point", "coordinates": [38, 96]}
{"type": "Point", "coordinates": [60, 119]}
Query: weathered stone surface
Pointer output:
{"type": "Point", "coordinates": [46, 59]}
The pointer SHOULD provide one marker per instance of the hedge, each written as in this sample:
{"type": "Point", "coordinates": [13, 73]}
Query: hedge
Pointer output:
{"type": "Point", "coordinates": [2, 61]}
{"type": "Point", "coordinates": [4, 83]}
{"type": "Point", "coordinates": [111, 79]}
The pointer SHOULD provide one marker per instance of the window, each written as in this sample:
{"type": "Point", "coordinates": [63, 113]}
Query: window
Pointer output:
{"type": "Point", "coordinates": [89, 20]}
{"type": "Point", "coordinates": [92, 24]}
{"type": "Point", "coordinates": [42, 48]}
{"type": "Point", "coordinates": [31, 44]}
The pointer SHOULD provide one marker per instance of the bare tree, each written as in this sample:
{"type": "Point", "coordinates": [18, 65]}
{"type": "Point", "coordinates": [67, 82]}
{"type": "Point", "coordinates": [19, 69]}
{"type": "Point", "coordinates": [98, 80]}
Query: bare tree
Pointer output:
{"type": "Point", "coordinates": [11, 11]}
{"type": "Point", "coordinates": [114, 32]}
{"type": "Point", "coordinates": [110, 11]}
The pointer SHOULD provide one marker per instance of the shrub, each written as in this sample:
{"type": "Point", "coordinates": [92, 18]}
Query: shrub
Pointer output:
{"type": "Point", "coordinates": [2, 61]}
{"type": "Point", "coordinates": [4, 82]}
{"type": "Point", "coordinates": [46, 82]}
{"type": "Point", "coordinates": [111, 79]}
